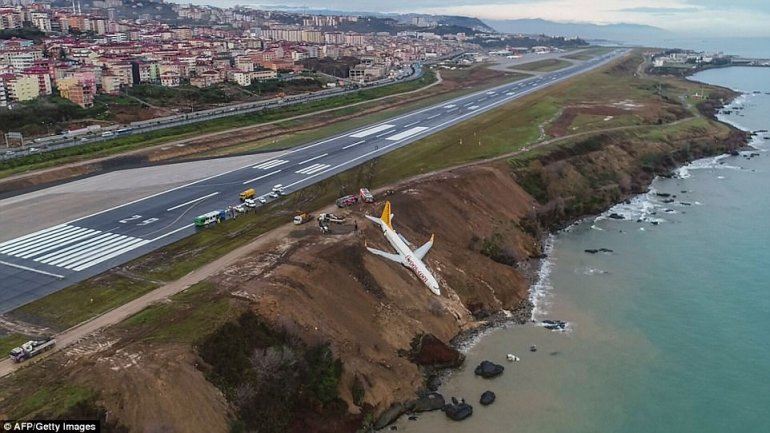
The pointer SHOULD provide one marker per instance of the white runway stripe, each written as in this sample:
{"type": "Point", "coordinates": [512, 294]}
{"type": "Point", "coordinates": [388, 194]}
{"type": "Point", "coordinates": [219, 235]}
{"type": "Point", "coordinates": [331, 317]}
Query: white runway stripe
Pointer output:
{"type": "Point", "coordinates": [126, 244]}
{"type": "Point", "coordinates": [48, 246]}
{"type": "Point", "coordinates": [66, 257]}
{"type": "Point", "coordinates": [95, 251]}
{"type": "Point", "coordinates": [313, 168]}
{"type": "Point", "coordinates": [312, 159]}
{"type": "Point", "coordinates": [60, 254]}
{"type": "Point", "coordinates": [354, 144]}
{"type": "Point", "coordinates": [270, 164]}
{"type": "Point", "coordinates": [70, 247]}
{"type": "Point", "coordinates": [192, 201]}
{"type": "Point", "coordinates": [41, 242]}
{"type": "Point", "coordinates": [111, 255]}
{"type": "Point", "coordinates": [262, 177]}
{"type": "Point", "coordinates": [17, 243]}
{"type": "Point", "coordinates": [407, 133]}
{"type": "Point", "coordinates": [19, 239]}
{"type": "Point", "coordinates": [370, 131]}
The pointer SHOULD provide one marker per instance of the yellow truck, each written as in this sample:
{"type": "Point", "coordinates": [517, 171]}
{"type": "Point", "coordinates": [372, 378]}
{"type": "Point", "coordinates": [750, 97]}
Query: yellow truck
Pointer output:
{"type": "Point", "coordinates": [249, 193]}
{"type": "Point", "coordinates": [302, 218]}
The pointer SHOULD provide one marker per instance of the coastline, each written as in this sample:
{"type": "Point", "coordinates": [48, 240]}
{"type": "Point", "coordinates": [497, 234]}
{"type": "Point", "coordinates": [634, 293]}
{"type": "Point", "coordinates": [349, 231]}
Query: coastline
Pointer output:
{"type": "Point", "coordinates": [538, 291]}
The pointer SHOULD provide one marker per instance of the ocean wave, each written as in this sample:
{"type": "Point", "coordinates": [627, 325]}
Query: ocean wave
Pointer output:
{"type": "Point", "coordinates": [593, 271]}
{"type": "Point", "coordinates": [540, 292]}
{"type": "Point", "coordinates": [643, 207]}
{"type": "Point", "coordinates": [713, 163]}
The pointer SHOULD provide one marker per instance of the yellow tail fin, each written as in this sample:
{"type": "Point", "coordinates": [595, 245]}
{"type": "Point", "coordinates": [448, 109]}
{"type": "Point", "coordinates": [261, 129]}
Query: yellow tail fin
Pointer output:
{"type": "Point", "coordinates": [385, 217]}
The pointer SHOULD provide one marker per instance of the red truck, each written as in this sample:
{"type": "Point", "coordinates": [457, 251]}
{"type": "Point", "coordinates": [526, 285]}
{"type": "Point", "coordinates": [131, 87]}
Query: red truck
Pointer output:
{"type": "Point", "coordinates": [346, 201]}
{"type": "Point", "coordinates": [366, 196]}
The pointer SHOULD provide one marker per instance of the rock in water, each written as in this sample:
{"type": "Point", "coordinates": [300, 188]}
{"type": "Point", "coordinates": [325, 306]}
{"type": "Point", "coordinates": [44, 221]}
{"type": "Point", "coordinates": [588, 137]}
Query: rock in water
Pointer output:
{"type": "Point", "coordinates": [458, 411]}
{"type": "Point", "coordinates": [488, 369]}
{"type": "Point", "coordinates": [390, 416]}
{"type": "Point", "coordinates": [428, 402]}
{"type": "Point", "coordinates": [616, 216]}
{"type": "Point", "coordinates": [487, 398]}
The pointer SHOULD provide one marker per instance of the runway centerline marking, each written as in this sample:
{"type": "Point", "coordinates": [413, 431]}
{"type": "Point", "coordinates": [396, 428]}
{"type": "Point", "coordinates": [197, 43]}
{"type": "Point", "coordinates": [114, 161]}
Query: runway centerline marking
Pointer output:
{"type": "Point", "coordinates": [192, 201]}
{"type": "Point", "coordinates": [354, 144]}
{"type": "Point", "coordinates": [261, 177]}
{"type": "Point", "coordinates": [312, 159]}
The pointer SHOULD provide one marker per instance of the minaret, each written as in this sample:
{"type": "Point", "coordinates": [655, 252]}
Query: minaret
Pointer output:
{"type": "Point", "coordinates": [73, 7]}
{"type": "Point", "coordinates": [80, 11]}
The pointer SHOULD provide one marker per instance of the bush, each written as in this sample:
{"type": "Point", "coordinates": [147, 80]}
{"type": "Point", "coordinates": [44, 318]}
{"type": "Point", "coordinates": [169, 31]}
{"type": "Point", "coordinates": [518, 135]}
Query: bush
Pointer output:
{"type": "Point", "coordinates": [267, 374]}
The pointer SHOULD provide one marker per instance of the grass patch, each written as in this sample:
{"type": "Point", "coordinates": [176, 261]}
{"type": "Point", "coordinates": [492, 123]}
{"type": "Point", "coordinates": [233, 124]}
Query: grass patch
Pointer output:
{"type": "Point", "coordinates": [82, 301]}
{"type": "Point", "coordinates": [547, 65]}
{"type": "Point", "coordinates": [588, 122]}
{"type": "Point", "coordinates": [50, 401]}
{"type": "Point", "coordinates": [10, 341]}
{"type": "Point", "coordinates": [189, 315]}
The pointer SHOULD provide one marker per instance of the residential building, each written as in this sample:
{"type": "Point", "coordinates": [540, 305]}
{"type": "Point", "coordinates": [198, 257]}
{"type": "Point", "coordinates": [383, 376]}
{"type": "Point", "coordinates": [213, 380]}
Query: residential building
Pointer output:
{"type": "Point", "coordinates": [20, 60]}
{"type": "Point", "coordinates": [42, 21]}
{"type": "Point", "coordinates": [43, 77]}
{"type": "Point", "coordinates": [3, 92]}
{"type": "Point", "coordinates": [169, 79]}
{"type": "Point", "coordinates": [76, 91]}
{"type": "Point", "coordinates": [21, 88]}
{"type": "Point", "coordinates": [111, 83]}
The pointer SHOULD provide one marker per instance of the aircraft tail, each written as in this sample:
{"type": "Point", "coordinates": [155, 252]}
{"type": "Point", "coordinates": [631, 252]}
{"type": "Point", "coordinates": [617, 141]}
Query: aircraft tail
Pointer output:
{"type": "Point", "coordinates": [386, 216]}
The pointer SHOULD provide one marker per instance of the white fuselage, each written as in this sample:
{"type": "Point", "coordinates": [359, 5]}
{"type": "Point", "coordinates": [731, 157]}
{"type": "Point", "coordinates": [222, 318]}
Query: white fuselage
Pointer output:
{"type": "Point", "coordinates": [409, 260]}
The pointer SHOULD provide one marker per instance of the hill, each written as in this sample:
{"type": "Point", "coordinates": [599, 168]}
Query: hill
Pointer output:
{"type": "Point", "coordinates": [622, 32]}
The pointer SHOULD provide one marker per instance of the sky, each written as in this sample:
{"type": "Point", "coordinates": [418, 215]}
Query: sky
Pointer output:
{"type": "Point", "coordinates": [693, 17]}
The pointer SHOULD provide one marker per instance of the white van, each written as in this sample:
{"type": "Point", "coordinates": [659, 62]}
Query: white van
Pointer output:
{"type": "Point", "coordinates": [277, 188]}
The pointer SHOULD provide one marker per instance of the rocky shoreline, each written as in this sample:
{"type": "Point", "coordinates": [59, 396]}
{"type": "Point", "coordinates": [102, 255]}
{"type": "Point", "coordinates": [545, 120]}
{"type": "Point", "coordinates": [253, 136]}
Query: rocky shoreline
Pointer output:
{"type": "Point", "coordinates": [737, 140]}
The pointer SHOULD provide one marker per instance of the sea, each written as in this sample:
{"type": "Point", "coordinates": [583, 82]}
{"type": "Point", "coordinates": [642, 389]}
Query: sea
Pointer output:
{"type": "Point", "coordinates": [667, 332]}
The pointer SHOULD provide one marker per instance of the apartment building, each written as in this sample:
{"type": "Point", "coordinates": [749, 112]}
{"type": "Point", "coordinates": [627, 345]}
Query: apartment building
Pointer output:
{"type": "Point", "coordinates": [76, 91]}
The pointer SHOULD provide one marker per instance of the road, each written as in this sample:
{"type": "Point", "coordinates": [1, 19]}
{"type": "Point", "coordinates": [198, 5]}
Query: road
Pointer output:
{"type": "Point", "coordinates": [42, 262]}
{"type": "Point", "coordinates": [47, 144]}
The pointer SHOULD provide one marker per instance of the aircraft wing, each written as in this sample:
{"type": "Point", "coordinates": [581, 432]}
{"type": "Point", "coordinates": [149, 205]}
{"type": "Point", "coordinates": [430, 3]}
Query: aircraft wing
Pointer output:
{"type": "Point", "coordinates": [395, 257]}
{"type": "Point", "coordinates": [423, 250]}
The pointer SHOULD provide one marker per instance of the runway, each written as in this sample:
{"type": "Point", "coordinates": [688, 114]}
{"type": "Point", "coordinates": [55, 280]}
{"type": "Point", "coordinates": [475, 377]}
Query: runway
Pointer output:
{"type": "Point", "coordinates": [44, 261]}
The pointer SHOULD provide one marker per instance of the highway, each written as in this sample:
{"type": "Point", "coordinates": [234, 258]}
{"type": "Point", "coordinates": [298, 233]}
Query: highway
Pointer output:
{"type": "Point", "coordinates": [42, 262]}
{"type": "Point", "coordinates": [56, 142]}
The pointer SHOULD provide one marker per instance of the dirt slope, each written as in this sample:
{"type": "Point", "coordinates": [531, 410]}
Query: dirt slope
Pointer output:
{"type": "Point", "coordinates": [331, 289]}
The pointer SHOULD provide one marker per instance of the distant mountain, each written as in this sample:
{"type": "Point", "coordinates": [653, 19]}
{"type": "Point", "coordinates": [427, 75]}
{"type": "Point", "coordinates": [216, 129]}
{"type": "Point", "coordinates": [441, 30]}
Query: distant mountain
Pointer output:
{"type": "Point", "coordinates": [615, 32]}
{"type": "Point", "coordinates": [316, 11]}
{"type": "Point", "coordinates": [447, 20]}
{"type": "Point", "coordinates": [441, 20]}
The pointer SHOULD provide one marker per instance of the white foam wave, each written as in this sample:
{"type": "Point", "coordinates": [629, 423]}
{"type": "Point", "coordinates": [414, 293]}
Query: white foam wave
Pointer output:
{"type": "Point", "coordinates": [594, 271]}
{"type": "Point", "coordinates": [540, 292]}
{"type": "Point", "coordinates": [642, 207]}
{"type": "Point", "coordinates": [713, 163]}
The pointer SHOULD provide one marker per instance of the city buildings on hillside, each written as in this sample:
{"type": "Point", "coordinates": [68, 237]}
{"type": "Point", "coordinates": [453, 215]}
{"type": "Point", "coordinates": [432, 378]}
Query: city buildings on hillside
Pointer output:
{"type": "Point", "coordinates": [86, 51]}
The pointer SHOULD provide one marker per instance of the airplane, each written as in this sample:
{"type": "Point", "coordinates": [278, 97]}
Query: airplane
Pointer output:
{"type": "Point", "coordinates": [405, 256]}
